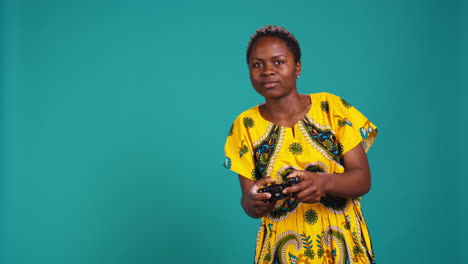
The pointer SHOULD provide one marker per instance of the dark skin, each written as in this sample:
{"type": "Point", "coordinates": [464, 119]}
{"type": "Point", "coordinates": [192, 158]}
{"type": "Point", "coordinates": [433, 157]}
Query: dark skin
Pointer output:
{"type": "Point", "coordinates": [273, 73]}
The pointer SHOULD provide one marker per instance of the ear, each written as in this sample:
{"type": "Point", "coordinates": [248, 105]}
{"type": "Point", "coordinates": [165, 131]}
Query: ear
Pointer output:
{"type": "Point", "coordinates": [298, 69]}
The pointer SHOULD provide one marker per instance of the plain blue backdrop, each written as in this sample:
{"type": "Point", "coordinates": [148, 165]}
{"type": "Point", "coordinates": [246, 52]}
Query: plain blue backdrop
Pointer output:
{"type": "Point", "coordinates": [114, 116]}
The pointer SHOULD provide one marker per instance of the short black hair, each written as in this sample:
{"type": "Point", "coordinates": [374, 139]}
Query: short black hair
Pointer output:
{"type": "Point", "coordinates": [276, 32]}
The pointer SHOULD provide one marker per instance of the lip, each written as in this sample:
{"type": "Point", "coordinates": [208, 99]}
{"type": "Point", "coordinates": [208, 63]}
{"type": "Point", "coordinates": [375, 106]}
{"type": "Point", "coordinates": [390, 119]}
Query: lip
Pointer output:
{"type": "Point", "coordinates": [270, 84]}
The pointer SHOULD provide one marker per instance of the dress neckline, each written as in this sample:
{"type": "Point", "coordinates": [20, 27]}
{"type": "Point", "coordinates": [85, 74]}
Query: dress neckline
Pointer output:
{"type": "Point", "coordinates": [309, 108]}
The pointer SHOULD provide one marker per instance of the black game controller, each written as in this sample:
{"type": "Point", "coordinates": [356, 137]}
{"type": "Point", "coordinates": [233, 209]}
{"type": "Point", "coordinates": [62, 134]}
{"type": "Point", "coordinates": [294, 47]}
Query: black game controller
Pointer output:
{"type": "Point", "coordinates": [276, 190]}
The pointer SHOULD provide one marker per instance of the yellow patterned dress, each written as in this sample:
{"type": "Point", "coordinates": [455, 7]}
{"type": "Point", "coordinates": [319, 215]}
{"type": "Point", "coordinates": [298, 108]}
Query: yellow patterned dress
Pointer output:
{"type": "Point", "coordinates": [330, 231]}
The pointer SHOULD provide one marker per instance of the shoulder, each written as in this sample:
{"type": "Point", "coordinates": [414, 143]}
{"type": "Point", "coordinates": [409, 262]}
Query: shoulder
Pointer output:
{"type": "Point", "coordinates": [327, 100]}
{"type": "Point", "coordinates": [246, 119]}
{"type": "Point", "coordinates": [325, 96]}
{"type": "Point", "coordinates": [251, 113]}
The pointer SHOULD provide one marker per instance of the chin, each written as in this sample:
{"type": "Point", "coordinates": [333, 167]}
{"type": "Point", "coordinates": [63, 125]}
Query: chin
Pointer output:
{"type": "Point", "coordinates": [273, 94]}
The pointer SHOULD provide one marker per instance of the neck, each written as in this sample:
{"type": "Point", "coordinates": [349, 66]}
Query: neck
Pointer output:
{"type": "Point", "coordinates": [286, 111]}
{"type": "Point", "coordinates": [291, 103]}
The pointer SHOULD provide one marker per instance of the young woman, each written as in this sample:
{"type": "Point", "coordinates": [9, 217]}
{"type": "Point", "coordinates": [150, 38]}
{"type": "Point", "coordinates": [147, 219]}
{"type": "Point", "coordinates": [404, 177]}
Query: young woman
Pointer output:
{"type": "Point", "coordinates": [319, 138]}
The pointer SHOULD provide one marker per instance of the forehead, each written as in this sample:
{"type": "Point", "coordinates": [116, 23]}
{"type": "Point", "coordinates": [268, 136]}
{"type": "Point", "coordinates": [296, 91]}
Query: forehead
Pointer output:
{"type": "Point", "coordinates": [266, 47]}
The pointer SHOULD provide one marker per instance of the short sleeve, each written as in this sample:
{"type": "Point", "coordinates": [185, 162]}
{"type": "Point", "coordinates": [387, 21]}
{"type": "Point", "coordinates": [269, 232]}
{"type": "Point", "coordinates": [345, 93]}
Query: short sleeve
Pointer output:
{"type": "Point", "coordinates": [350, 125]}
{"type": "Point", "coordinates": [238, 149]}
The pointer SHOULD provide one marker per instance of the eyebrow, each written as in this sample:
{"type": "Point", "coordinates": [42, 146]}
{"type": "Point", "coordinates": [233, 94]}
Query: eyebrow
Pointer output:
{"type": "Point", "coordinates": [274, 57]}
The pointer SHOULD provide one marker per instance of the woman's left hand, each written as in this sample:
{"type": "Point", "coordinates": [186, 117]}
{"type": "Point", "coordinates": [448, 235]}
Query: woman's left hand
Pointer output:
{"type": "Point", "coordinates": [354, 182]}
{"type": "Point", "coordinates": [310, 188]}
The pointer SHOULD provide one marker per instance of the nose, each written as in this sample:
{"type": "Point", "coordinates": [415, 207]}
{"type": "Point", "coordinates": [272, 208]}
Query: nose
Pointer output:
{"type": "Point", "coordinates": [268, 70]}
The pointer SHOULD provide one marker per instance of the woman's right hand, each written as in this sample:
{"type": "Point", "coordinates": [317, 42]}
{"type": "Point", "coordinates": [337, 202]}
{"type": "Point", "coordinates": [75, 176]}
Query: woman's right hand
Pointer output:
{"type": "Point", "coordinates": [255, 204]}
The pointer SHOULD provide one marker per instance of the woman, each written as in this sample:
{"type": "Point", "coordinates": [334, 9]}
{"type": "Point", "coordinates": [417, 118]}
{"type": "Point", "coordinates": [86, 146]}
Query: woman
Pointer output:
{"type": "Point", "coordinates": [320, 139]}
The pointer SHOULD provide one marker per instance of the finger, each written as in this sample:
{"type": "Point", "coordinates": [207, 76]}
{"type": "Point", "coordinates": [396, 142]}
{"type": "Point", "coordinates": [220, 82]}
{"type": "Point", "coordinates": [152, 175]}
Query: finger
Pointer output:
{"type": "Point", "coordinates": [304, 195]}
{"type": "Point", "coordinates": [308, 196]}
{"type": "Point", "coordinates": [267, 180]}
{"type": "Point", "coordinates": [294, 189]}
{"type": "Point", "coordinates": [262, 197]}
{"type": "Point", "coordinates": [266, 207]}
{"type": "Point", "coordinates": [256, 195]}
{"type": "Point", "coordinates": [296, 173]}
{"type": "Point", "coordinates": [301, 185]}
{"type": "Point", "coordinates": [265, 204]}
{"type": "Point", "coordinates": [262, 183]}
{"type": "Point", "coordinates": [312, 199]}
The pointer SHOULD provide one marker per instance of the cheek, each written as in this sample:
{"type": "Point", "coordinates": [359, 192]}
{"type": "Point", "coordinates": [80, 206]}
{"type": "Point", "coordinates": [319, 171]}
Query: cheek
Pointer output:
{"type": "Point", "coordinates": [253, 76]}
{"type": "Point", "coordinates": [288, 74]}
{"type": "Point", "coordinates": [294, 72]}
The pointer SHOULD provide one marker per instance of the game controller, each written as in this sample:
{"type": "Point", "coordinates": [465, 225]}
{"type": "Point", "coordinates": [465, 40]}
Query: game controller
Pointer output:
{"type": "Point", "coordinates": [276, 190]}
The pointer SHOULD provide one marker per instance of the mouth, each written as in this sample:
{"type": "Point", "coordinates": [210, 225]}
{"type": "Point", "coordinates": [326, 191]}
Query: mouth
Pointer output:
{"type": "Point", "coordinates": [270, 84]}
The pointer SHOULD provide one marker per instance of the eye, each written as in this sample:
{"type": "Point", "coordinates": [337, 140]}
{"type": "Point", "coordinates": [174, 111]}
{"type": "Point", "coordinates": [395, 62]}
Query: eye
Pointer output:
{"type": "Point", "coordinates": [278, 62]}
{"type": "Point", "coordinates": [255, 65]}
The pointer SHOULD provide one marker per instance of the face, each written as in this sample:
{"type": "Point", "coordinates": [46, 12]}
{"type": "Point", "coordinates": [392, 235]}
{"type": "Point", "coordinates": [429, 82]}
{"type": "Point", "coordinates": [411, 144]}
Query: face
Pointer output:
{"type": "Point", "coordinates": [273, 71]}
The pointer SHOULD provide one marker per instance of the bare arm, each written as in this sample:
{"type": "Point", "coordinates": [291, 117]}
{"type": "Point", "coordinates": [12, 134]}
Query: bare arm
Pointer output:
{"type": "Point", "coordinates": [253, 202]}
{"type": "Point", "coordinates": [354, 182]}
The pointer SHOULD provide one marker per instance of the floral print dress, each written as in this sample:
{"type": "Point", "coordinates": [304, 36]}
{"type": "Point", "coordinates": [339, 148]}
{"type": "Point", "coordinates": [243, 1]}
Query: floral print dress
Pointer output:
{"type": "Point", "coordinates": [330, 231]}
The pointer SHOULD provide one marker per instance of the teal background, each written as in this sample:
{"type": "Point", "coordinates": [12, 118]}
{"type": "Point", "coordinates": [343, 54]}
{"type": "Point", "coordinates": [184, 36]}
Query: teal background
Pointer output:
{"type": "Point", "coordinates": [114, 116]}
